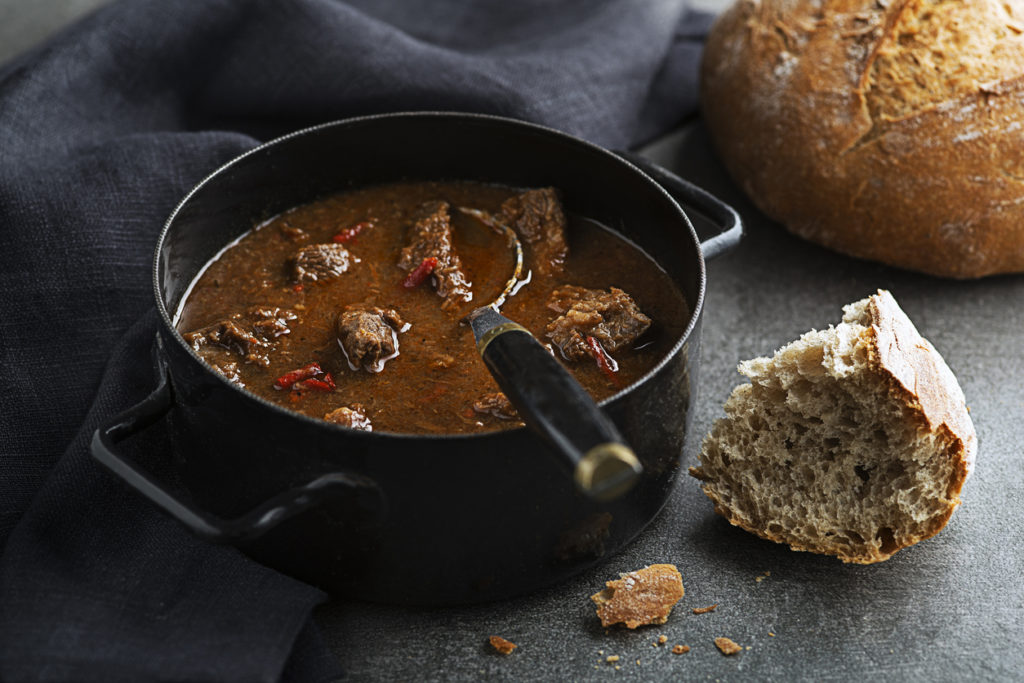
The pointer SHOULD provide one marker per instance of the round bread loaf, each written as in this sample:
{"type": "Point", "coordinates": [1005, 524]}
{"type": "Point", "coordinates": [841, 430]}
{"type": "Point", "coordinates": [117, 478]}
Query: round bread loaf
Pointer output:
{"type": "Point", "coordinates": [887, 130]}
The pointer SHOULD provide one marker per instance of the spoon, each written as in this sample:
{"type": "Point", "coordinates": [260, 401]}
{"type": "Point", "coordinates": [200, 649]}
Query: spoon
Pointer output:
{"type": "Point", "coordinates": [548, 398]}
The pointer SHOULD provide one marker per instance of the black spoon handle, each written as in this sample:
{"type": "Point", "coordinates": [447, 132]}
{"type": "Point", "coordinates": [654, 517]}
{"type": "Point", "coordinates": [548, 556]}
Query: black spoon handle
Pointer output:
{"type": "Point", "coordinates": [553, 403]}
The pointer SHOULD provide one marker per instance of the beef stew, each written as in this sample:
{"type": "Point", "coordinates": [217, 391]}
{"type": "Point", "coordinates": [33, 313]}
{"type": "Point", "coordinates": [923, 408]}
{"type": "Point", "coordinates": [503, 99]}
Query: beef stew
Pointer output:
{"type": "Point", "coordinates": [348, 308]}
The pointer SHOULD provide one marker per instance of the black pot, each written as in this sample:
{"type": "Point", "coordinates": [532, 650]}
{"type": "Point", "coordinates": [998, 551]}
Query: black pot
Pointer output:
{"type": "Point", "coordinates": [403, 518]}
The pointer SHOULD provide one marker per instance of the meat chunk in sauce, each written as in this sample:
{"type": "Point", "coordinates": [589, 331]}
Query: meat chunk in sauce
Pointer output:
{"type": "Point", "coordinates": [270, 322]}
{"type": "Point", "coordinates": [538, 217]}
{"type": "Point", "coordinates": [353, 417]}
{"type": "Point", "coordinates": [292, 233]}
{"type": "Point", "coordinates": [497, 405]}
{"type": "Point", "coordinates": [229, 369]}
{"type": "Point", "coordinates": [431, 237]}
{"type": "Point", "coordinates": [369, 335]}
{"type": "Point", "coordinates": [251, 335]}
{"type": "Point", "coordinates": [318, 262]}
{"type": "Point", "coordinates": [612, 318]}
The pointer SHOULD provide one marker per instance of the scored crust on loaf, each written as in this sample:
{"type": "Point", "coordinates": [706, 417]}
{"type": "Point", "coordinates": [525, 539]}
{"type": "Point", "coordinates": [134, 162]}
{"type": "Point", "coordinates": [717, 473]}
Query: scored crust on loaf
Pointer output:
{"type": "Point", "coordinates": [852, 441]}
{"type": "Point", "coordinates": [884, 130]}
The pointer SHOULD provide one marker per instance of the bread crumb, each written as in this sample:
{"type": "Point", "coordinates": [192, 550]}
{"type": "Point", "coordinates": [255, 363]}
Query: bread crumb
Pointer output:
{"type": "Point", "coordinates": [641, 597]}
{"type": "Point", "coordinates": [617, 667]}
{"type": "Point", "coordinates": [662, 639]}
{"type": "Point", "coordinates": [704, 610]}
{"type": "Point", "coordinates": [612, 658]}
{"type": "Point", "coordinates": [771, 634]}
{"type": "Point", "coordinates": [638, 662]}
{"type": "Point", "coordinates": [600, 652]}
{"type": "Point", "coordinates": [503, 646]}
{"type": "Point", "coordinates": [680, 649]}
{"type": "Point", "coordinates": [749, 647]}
{"type": "Point", "coordinates": [727, 646]}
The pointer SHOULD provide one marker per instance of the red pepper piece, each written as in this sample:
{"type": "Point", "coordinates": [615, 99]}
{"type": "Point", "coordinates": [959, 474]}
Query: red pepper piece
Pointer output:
{"type": "Point", "coordinates": [349, 233]}
{"type": "Point", "coordinates": [286, 380]}
{"type": "Point", "coordinates": [298, 288]}
{"type": "Point", "coordinates": [421, 273]}
{"type": "Point", "coordinates": [329, 381]}
{"type": "Point", "coordinates": [314, 385]}
{"type": "Point", "coordinates": [605, 363]}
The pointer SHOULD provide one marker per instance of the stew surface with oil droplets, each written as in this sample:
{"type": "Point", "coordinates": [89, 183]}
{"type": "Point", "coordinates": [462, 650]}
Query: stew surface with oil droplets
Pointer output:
{"type": "Point", "coordinates": [348, 308]}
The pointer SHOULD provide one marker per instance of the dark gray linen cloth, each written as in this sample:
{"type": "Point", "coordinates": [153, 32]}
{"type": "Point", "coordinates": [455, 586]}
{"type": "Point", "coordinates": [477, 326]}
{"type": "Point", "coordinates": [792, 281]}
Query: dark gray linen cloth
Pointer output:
{"type": "Point", "coordinates": [102, 130]}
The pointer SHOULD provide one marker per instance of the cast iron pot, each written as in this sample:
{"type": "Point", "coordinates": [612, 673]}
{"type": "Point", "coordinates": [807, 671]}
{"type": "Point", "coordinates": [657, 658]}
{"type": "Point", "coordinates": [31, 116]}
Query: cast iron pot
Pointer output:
{"type": "Point", "coordinates": [397, 517]}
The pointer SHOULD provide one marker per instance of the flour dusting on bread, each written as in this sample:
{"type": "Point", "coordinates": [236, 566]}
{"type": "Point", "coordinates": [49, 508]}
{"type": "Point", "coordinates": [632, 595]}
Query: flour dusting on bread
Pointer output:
{"type": "Point", "coordinates": [883, 130]}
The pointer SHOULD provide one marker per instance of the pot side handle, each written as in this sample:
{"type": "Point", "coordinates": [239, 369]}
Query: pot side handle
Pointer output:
{"type": "Point", "coordinates": [714, 209]}
{"type": "Point", "coordinates": [250, 525]}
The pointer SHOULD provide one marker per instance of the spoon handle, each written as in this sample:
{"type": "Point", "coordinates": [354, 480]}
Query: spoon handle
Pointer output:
{"type": "Point", "coordinates": [553, 404]}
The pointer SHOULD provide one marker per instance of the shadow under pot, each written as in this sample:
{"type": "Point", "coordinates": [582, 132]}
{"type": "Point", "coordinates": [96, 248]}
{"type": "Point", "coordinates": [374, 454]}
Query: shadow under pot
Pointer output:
{"type": "Point", "coordinates": [415, 518]}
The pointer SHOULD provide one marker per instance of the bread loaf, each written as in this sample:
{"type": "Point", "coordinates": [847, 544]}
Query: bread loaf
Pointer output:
{"type": "Point", "coordinates": [853, 441]}
{"type": "Point", "coordinates": [889, 131]}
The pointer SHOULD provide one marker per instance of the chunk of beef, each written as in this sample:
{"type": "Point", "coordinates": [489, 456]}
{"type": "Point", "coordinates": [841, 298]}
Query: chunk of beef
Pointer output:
{"type": "Point", "coordinates": [431, 236]}
{"type": "Point", "coordinates": [353, 417]}
{"type": "Point", "coordinates": [228, 334]}
{"type": "Point", "coordinates": [319, 262]}
{"type": "Point", "coordinates": [368, 335]}
{"type": "Point", "coordinates": [270, 322]}
{"type": "Point", "coordinates": [497, 405]}
{"type": "Point", "coordinates": [538, 217]}
{"type": "Point", "coordinates": [229, 370]}
{"type": "Point", "coordinates": [611, 317]}
{"type": "Point", "coordinates": [251, 335]}
{"type": "Point", "coordinates": [291, 232]}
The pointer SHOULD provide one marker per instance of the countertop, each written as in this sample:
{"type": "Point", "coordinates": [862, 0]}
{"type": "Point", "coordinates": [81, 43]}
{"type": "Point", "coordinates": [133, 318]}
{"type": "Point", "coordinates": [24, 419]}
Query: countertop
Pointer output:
{"type": "Point", "coordinates": [950, 608]}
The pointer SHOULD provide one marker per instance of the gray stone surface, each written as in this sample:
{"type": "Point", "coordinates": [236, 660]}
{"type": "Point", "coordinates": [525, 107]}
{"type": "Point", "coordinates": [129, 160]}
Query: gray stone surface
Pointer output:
{"type": "Point", "coordinates": [950, 608]}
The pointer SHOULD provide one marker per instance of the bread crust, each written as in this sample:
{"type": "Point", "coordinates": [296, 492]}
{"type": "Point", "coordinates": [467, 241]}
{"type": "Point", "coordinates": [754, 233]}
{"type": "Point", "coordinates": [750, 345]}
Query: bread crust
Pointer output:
{"type": "Point", "coordinates": [920, 380]}
{"type": "Point", "coordinates": [917, 379]}
{"type": "Point", "coordinates": [847, 123]}
{"type": "Point", "coordinates": [639, 598]}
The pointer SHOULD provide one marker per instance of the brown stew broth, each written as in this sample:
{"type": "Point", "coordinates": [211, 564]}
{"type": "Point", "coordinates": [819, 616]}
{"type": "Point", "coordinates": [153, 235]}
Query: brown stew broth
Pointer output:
{"type": "Point", "coordinates": [432, 384]}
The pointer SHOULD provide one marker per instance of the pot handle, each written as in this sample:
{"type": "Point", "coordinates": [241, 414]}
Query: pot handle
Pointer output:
{"type": "Point", "coordinates": [721, 214]}
{"type": "Point", "coordinates": [250, 525]}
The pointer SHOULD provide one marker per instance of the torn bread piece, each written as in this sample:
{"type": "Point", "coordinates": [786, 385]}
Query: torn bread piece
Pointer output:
{"type": "Point", "coordinates": [642, 597]}
{"type": "Point", "coordinates": [503, 646]}
{"type": "Point", "coordinates": [727, 646]}
{"type": "Point", "coordinates": [854, 441]}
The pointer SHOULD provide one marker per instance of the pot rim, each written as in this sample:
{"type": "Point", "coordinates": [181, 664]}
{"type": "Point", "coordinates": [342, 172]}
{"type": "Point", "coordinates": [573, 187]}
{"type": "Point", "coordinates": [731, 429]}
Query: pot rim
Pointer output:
{"type": "Point", "coordinates": [166, 318]}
